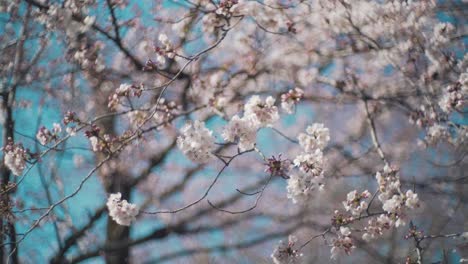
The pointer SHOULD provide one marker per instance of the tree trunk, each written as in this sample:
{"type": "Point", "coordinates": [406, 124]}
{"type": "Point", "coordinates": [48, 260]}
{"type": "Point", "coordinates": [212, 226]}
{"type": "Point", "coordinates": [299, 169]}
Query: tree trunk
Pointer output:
{"type": "Point", "coordinates": [114, 181]}
{"type": "Point", "coordinates": [116, 233]}
{"type": "Point", "coordinates": [8, 232]}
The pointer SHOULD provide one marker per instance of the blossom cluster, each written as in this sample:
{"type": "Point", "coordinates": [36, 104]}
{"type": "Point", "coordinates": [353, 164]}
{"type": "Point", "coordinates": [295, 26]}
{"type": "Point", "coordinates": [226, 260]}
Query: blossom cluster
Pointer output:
{"type": "Point", "coordinates": [121, 211]}
{"type": "Point", "coordinates": [343, 244]}
{"type": "Point", "coordinates": [218, 13]}
{"type": "Point", "coordinates": [315, 138]}
{"type": "Point", "coordinates": [257, 114]}
{"type": "Point", "coordinates": [290, 99]}
{"type": "Point", "coordinates": [455, 95]}
{"type": "Point", "coordinates": [356, 203]}
{"type": "Point", "coordinates": [102, 142]}
{"type": "Point", "coordinates": [285, 253]}
{"type": "Point", "coordinates": [393, 199]}
{"type": "Point", "coordinates": [165, 112]}
{"type": "Point", "coordinates": [394, 204]}
{"type": "Point", "coordinates": [166, 50]}
{"type": "Point", "coordinates": [124, 90]}
{"type": "Point", "coordinates": [62, 16]}
{"type": "Point", "coordinates": [240, 130]}
{"type": "Point", "coordinates": [46, 136]}
{"type": "Point", "coordinates": [310, 162]}
{"type": "Point", "coordinates": [196, 141]}
{"type": "Point", "coordinates": [308, 179]}
{"type": "Point", "coordinates": [93, 136]}
{"type": "Point", "coordinates": [376, 227]}
{"type": "Point", "coordinates": [261, 113]}
{"type": "Point", "coordinates": [15, 157]}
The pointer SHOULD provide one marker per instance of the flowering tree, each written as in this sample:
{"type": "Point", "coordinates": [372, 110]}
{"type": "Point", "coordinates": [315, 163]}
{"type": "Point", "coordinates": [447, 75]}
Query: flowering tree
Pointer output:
{"type": "Point", "coordinates": [151, 131]}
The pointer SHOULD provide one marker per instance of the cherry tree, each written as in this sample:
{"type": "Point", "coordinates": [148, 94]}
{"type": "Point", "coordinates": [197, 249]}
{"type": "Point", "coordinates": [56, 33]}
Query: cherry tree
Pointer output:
{"type": "Point", "coordinates": [234, 131]}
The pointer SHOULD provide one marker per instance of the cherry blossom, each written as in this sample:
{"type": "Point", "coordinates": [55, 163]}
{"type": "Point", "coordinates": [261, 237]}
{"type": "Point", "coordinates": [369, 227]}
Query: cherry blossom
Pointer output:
{"type": "Point", "coordinates": [242, 130]}
{"type": "Point", "coordinates": [15, 158]}
{"type": "Point", "coordinates": [311, 163]}
{"type": "Point", "coordinates": [121, 211]}
{"type": "Point", "coordinates": [316, 137]}
{"type": "Point", "coordinates": [290, 99]}
{"type": "Point", "coordinates": [285, 253]}
{"type": "Point", "coordinates": [412, 200]}
{"type": "Point", "coordinates": [262, 113]}
{"type": "Point", "coordinates": [45, 136]}
{"type": "Point", "coordinates": [196, 141]}
{"type": "Point", "coordinates": [376, 227]}
{"type": "Point", "coordinates": [343, 244]}
{"type": "Point", "coordinates": [356, 202]}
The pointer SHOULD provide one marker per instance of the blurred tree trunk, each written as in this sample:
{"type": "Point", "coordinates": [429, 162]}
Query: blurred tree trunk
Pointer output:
{"type": "Point", "coordinates": [8, 231]}
{"type": "Point", "coordinates": [115, 233]}
{"type": "Point", "coordinates": [114, 181]}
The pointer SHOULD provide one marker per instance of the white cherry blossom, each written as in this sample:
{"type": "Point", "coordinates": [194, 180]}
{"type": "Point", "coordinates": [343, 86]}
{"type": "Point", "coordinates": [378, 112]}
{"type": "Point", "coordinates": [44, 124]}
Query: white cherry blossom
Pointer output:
{"type": "Point", "coordinates": [196, 141]}
{"type": "Point", "coordinates": [121, 211]}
